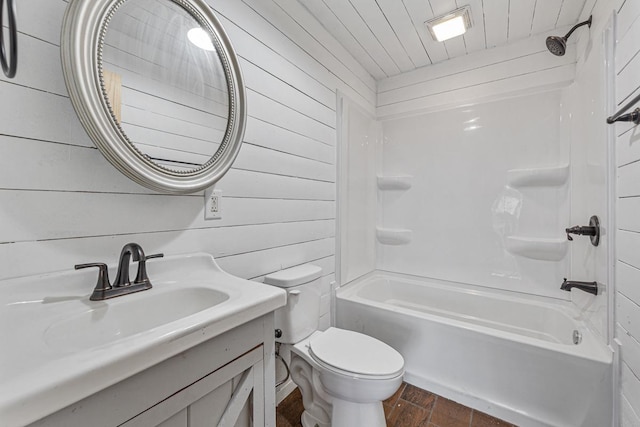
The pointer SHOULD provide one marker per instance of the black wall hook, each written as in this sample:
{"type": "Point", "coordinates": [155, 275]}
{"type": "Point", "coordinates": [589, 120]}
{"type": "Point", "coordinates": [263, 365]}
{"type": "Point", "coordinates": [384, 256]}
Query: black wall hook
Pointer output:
{"type": "Point", "coordinates": [9, 62]}
{"type": "Point", "coordinates": [633, 116]}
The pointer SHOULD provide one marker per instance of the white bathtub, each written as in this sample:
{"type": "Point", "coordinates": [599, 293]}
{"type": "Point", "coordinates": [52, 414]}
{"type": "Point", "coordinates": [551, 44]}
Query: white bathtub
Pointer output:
{"type": "Point", "coordinates": [500, 353]}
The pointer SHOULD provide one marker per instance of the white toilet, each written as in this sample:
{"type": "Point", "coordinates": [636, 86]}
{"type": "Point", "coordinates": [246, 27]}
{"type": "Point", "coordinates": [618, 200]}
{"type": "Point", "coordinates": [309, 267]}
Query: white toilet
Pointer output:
{"type": "Point", "coordinates": [343, 375]}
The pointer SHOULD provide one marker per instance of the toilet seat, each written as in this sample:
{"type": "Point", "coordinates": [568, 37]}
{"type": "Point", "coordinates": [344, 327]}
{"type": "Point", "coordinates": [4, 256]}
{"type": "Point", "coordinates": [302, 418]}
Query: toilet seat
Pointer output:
{"type": "Point", "coordinates": [355, 354]}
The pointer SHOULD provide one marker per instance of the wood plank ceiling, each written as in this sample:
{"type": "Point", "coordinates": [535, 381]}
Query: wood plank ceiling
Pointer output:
{"type": "Point", "coordinates": [388, 37]}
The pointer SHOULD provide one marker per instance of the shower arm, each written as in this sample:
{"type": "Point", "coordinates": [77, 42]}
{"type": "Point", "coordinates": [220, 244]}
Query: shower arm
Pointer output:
{"type": "Point", "coordinates": [587, 22]}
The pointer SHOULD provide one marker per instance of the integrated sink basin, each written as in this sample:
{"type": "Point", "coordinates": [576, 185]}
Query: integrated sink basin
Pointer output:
{"type": "Point", "coordinates": [59, 347]}
{"type": "Point", "coordinates": [129, 315]}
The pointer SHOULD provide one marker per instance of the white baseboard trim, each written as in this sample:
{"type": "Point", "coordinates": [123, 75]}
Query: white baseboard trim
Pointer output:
{"type": "Point", "coordinates": [284, 390]}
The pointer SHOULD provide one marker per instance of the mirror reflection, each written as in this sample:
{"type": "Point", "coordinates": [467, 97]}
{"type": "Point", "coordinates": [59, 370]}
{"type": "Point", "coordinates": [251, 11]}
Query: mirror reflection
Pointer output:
{"type": "Point", "coordinates": [165, 83]}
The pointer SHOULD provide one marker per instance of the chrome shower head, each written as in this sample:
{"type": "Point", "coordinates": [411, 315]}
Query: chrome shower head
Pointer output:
{"type": "Point", "coordinates": [558, 45]}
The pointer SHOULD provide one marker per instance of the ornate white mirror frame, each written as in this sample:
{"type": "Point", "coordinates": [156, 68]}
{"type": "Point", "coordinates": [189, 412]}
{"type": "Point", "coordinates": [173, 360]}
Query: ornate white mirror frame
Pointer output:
{"type": "Point", "coordinates": [83, 32]}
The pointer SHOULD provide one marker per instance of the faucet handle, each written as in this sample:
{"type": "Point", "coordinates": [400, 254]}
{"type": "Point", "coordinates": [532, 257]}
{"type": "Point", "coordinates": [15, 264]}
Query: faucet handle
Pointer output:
{"type": "Point", "coordinates": [592, 230]}
{"type": "Point", "coordinates": [103, 284]}
{"type": "Point", "coordinates": [142, 277]}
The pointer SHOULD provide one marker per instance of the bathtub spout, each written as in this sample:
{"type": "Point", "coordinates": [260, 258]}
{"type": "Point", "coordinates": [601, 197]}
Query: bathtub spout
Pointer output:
{"type": "Point", "coordinates": [590, 287]}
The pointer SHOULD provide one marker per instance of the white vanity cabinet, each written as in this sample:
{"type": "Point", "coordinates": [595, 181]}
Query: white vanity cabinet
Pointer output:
{"type": "Point", "coordinates": [225, 381]}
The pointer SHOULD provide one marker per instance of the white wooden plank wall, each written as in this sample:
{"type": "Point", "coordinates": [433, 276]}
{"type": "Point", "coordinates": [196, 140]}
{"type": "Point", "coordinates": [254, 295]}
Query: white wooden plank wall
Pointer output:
{"type": "Point", "coordinates": [514, 68]}
{"type": "Point", "coordinates": [63, 204]}
{"type": "Point", "coordinates": [627, 68]}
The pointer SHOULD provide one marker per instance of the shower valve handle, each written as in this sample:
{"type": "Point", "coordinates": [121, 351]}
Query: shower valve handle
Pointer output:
{"type": "Point", "coordinates": [592, 230]}
{"type": "Point", "coordinates": [580, 230]}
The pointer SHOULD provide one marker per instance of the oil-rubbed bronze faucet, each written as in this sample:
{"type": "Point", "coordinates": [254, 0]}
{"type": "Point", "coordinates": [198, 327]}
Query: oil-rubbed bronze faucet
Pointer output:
{"type": "Point", "coordinates": [122, 284]}
{"type": "Point", "coordinates": [129, 250]}
{"type": "Point", "coordinates": [590, 287]}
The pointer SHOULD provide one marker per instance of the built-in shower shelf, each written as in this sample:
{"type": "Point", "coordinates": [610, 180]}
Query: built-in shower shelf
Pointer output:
{"type": "Point", "coordinates": [393, 236]}
{"type": "Point", "coordinates": [394, 182]}
{"type": "Point", "coordinates": [544, 249]}
{"type": "Point", "coordinates": [538, 177]}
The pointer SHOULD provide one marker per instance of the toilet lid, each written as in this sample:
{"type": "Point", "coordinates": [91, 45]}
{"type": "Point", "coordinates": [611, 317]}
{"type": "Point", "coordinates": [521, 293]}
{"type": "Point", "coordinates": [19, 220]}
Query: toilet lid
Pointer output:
{"type": "Point", "coordinates": [356, 354]}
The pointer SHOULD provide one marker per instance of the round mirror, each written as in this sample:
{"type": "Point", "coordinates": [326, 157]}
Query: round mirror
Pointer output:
{"type": "Point", "coordinates": [157, 86]}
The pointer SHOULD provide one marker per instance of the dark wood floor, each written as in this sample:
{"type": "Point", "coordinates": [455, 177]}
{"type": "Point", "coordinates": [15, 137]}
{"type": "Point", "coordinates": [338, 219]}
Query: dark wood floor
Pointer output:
{"type": "Point", "coordinates": [409, 407]}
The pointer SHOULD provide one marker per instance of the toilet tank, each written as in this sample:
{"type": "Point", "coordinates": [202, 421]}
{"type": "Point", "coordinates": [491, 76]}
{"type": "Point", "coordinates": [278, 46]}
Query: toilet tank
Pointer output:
{"type": "Point", "coordinates": [299, 318]}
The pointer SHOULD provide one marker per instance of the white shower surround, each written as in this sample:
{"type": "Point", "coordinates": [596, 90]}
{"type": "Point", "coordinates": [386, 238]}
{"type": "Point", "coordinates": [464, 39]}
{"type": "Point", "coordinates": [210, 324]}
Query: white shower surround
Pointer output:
{"type": "Point", "coordinates": [465, 208]}
{"type": "Point", "coordinates": [468, 143]}
{"type": "Point", "coordinates": [505, 354]}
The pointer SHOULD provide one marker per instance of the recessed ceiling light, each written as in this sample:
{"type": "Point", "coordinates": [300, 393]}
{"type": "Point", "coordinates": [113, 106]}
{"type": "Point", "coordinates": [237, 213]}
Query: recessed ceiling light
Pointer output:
{"type": "Point", "coordinates": [200, 38]}
{"type": "Point", "coordinates": [450, 25]}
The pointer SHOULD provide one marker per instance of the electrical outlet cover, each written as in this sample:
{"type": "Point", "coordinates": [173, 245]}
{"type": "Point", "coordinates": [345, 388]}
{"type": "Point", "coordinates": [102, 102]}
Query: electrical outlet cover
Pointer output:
{"type": "Point", "coordinates": [212, 204]}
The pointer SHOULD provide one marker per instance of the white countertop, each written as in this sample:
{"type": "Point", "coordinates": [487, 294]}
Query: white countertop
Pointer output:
{"type": "Point", "coordinates": [47, 363]}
